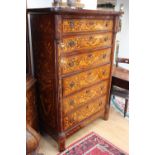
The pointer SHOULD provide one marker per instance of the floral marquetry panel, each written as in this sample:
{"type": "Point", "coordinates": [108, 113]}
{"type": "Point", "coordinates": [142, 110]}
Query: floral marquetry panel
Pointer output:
{"type": "Point", "coordinates": [83, 61]}
{"type": "Point", "coordinates": [85, 25]}
{"type": "Point", "coordinates": [73, 102]}
{"type": "Point", "coordinates": [43, 54]}
{"type": "Point", "coordinates": [86, 42]}
{"type": "Point", "coordinates": [81, 80]}
{"type": "Point", "coordinates": [84, 112]}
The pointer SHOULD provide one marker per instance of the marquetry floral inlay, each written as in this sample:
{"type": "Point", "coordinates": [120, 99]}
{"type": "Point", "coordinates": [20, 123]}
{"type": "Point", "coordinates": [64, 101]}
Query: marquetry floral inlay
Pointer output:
{"type": "Point", "coordinates": [44, 80]}
{"type": "Point", "coordinates": [84, 113]}
{"type": "Point", "coordinates": [78, 81]}
{"type": "Point", "coordinates": [86, 42]}
{"type": "Point", "coordinates": [85, 25]}
{"type": "Point", "coordinates": [82, 61]}
{"type": "Point", "coordinates": [72, 102]}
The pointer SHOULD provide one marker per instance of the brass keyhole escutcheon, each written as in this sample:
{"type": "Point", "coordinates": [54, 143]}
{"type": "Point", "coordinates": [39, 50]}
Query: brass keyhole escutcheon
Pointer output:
{"type": "Point", "coordinates": [106, 39]}
{"type": "Point", "coordinates": [87, 91]}
{"type": "Point", "coordinates": [71, 120]}
{"type": "Point", "coordinates": [71, 64]}
{"type": "Point", "coordinates": [90, 55]}
{"type": "Point", "coordinates": [103, 72]}
{"type": "Point", "coordinates": [72, 84]}
{"type": "Point", "coordinates": [104, 56]}
{"type": "Point", "coordinates": [100, 103]}
{"type": "Point", "coordinates": [106, 24]}
{"type": "Point", "coordinates": [71, 102]}
{"type": "Point", "coordinates": [71, 43]}
{"type": "Point", "coordinates": [102, 88]}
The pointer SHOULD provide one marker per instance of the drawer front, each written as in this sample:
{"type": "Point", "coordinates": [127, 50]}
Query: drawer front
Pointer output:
{"type": "Point", "coordinates": [81, 42]}
{"type": "Point", "coordinates": [86, 25]}
{"type": "Point", "coordinates": [84, 112]}
{"type": "Point", "coordinates": [72, 102]}
{"type": "Point", "coordinates": [83, 61]}
{"type": "Point", "coordinates": [84, 79]}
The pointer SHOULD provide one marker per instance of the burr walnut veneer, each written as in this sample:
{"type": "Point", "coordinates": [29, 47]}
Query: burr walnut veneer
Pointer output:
{"type": "Point", "coordinates": [73, 54]}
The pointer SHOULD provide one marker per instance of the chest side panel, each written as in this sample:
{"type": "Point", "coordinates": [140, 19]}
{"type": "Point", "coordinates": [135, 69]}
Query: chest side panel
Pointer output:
{"type": "Point", "coordinates": [42, 26]}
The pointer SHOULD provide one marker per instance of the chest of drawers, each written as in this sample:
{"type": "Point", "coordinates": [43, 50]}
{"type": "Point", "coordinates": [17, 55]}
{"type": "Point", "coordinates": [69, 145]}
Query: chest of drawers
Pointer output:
{"type": "Point", "coordinates": [73, 54]}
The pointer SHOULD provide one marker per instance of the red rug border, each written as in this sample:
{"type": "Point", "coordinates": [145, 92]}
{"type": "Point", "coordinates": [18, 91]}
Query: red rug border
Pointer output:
{"type": "Point", "coordinates": [76, 141]}
{"type": "Point", "coordinates": [110, 143]}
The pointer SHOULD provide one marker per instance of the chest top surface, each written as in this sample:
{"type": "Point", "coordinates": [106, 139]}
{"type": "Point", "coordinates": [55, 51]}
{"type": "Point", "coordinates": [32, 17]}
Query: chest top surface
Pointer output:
{"type": "Point", "coordinates": [68, 11]}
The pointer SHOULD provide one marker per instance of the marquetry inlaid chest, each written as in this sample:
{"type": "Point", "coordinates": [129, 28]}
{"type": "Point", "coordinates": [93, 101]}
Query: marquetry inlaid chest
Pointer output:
{"type": "Point", "coordinates": [73, 55]}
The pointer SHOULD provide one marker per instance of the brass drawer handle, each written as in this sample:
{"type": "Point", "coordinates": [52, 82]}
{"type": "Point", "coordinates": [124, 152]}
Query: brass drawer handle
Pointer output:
{"type": "Point", "coordinates": [101, 87]}
{"type": "Point", "coordinates": [104, 56]}
{"type": "Point", "coordinates": [71, 120]}
{"type": "Point", "coordinates": [90, 55]}
{"type": "Point", "coordinates": [103, 72]}
{"type": "Point", "coordinates": [107, 24]}
{"type": "Point", "coordinates": [71, 43]}
{"type": "Point", "coordinates": [71, 64]}
{"type": "Point", "coordinates": [106, 39]}
{"type": "Point", "coordinates": [71, 23]}
{"type": "Point", "coordinates": [72, 84]}
{"type": "Point", "coordinates": [89, 73]}
{"type": "Point", "coordinates": [87, 91]}
{"type": "Point", "coordinates": [100, 103]}
{"type": "Point", "coordinates": [71, 102]}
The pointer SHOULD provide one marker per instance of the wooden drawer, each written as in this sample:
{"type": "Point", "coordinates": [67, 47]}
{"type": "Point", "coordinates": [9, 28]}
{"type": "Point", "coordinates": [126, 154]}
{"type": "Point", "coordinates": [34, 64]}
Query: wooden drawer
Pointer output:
{"type": "Point", "coordinates": [83, 61]}
{"type": "Point", "coordinates": [84, 112]}
{"type": "Point", "coordinates": [72, 102]}
{"type": "Point", "coordinates": [82, 42]}
{"type": "Point", "coordinates": [84, 79]}
{"type": "Point", "coordinates": [86, 25]}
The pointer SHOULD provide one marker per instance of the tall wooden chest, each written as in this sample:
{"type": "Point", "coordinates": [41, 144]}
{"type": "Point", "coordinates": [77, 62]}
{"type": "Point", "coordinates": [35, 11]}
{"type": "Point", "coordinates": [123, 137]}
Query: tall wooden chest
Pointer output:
{"type": "Point", "coordinates": [73, 55]}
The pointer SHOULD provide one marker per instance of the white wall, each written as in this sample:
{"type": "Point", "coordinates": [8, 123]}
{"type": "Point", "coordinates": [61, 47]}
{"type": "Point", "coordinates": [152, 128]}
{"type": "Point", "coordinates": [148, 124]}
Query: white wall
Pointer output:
{"type": "Point", "coordinates": [123, 36]}
{"type": "Point", "coordinates": [39, 3]}
{"type": "Point", "coordinates": [89, 4]}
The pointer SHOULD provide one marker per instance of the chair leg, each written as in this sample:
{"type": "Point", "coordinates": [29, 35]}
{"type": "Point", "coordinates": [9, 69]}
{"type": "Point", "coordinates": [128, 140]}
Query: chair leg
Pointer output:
{"type": "Point", "coordinates": [113, 96]}
{"type": "Point", "coordinates": [126, 107]}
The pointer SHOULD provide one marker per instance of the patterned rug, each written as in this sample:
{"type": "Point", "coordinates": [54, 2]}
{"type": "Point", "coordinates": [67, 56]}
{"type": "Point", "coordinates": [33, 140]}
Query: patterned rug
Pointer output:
{"type": "Point", "coordinates": [118, 104]}
{"type": "Point", "coordinates": [92, 144]}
